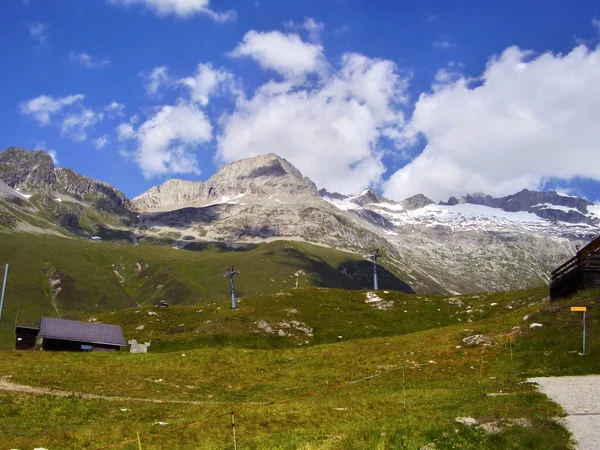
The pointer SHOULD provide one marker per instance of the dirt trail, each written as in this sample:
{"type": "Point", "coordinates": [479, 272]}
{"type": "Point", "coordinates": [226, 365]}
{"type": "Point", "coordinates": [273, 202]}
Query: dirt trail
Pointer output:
{"type": "Point", "coordinates": [580, 398]}
{"type": "Point", "coordinates": [6, 385]}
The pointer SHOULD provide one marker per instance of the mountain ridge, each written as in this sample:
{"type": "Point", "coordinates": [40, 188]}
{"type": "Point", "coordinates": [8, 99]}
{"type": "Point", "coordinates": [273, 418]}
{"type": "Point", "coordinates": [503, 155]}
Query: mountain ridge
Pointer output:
{"type": "Point", "coordinates": [260, 175]}
{"type": "Point", "coordinates": [465, 247]}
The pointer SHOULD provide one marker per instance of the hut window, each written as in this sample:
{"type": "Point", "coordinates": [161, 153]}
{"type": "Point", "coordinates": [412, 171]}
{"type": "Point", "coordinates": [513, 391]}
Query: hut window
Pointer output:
{"type": "Point", "coordinates": [85, 347]}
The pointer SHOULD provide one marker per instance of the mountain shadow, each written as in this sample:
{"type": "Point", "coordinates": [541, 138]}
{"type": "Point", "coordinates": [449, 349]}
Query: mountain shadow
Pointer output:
{"type": "Point", "coordinates": [361, 272]}
{"type": "Point", "coordinates": [350, 274]}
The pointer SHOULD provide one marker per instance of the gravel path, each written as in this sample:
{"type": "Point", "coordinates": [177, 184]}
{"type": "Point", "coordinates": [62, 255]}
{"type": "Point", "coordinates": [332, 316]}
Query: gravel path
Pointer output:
{"type": "Point", "coordinates": [580, 398]}
{"type": "Point", "coordinates": [6, 385]}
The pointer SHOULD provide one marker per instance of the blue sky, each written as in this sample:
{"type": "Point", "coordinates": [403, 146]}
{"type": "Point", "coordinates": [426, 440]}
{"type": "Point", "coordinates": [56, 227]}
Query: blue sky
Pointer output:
{"type": "Point", "coordinates": [434, 97]}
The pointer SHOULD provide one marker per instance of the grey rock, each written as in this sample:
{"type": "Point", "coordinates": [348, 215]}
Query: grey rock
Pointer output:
{"type": "Point", "coordinates": [332, 195]}
{"type": "Point", "coordinates": [104, 194]}
{"type": "Point", "coordinates": [416, 202]}
{"type": "Point", "coordinates": [367, 197]}
{"type": "Point", "coordinates": [27, 170]}
{"type": "Point", "coordinates": [478, 339]}
{"type": "Point", "coordinates": [261, 175]}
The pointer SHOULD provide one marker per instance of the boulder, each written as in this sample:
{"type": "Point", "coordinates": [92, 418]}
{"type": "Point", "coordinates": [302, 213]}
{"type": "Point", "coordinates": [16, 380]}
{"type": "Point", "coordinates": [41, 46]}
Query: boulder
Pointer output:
{"type": "Point", "coordinates": [478, 339]}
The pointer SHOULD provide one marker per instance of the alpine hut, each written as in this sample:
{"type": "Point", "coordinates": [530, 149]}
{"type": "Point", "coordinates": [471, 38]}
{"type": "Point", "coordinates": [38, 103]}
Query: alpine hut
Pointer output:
{"type": "Point", "coordinates": [71, 335]}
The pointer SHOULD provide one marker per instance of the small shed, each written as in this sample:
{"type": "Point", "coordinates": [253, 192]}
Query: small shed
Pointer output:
{"type": "Point", "coordinates": [61, 334]}
{"type": "Point", "coordinates": [26, 337]}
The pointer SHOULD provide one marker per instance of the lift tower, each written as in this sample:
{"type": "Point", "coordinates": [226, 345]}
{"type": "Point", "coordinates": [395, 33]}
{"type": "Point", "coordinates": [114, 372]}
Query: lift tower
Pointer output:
{"type": "Point", "coordinates": [373, 258]}
{"type": "Point", "coordinates": [230, 274]}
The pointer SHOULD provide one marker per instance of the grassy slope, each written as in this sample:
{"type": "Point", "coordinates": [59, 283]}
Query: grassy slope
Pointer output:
{"type": "Point", "coordinates": [97, 277]}
{"type": "Point", "coordinates": [250, 368]}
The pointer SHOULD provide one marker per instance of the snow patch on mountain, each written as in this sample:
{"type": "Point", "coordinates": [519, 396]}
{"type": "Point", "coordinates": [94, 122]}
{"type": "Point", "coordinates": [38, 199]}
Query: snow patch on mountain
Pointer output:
{"type": "Point", "coordinates": [594, 210]}
{"type": "Point", "coordinates": [225, 200]}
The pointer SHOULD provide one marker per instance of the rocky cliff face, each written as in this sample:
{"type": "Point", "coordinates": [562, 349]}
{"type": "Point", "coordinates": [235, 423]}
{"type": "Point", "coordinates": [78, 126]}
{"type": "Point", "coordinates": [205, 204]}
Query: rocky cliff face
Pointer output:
{"type": "Point", "coordinates": [172, 192]}
{"type": "Point", "coordinates": [79, 204]}
{"type": "Point", "coordinates": [416, 202]}
{"type": "Point", "coordinates": [27, 170]}
{"type": "Point", "coordinates": [81, 185]}
{"type": "Point", "coordinates": [262, 175]}
{"type": "Point", "coordinates": [35, 172]}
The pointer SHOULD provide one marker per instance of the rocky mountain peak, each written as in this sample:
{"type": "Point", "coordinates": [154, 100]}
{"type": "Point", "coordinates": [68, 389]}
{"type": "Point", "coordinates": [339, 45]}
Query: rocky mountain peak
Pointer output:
{"type": "Point", "coordinates": [416, 202]}
{"type": "Point", "coordinates": [527, 198]}
{"type": "Point", "coordinates": [29, 170]}
{"type": "Point", "coordinates": [332, 195]}
{"type": "Point", "coordinates": [77, 184]}
{"type": "Point", "coordinates": [547, 205]}
{"type": "Point", "coordinates": [171, 192]}
{"type": "Point", "coordinates": [368, 196]}
{"type": "Point", "coordinates": [34, 171]}
{"type": "Point", "coordinates": [261, 175]}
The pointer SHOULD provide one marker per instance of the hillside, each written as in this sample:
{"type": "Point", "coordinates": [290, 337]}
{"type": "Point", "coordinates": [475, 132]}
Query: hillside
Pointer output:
{"type": "Point", "coordinates": [345, 389]}
{"type": "Point", "coordinates": [72, 278]}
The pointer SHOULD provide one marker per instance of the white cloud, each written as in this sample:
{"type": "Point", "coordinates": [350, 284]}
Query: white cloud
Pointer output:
{"type": "Point", "coordinates": [157, 79]}
{"type": "Point", "coordinates": [166, 141]}
{"type": "Point", "coordinates": [75, 125]}
{"type": "Point", "coordinates": [286, 54]}
{"type": "Point", "coordinates": [38, 31]}
{"type": "Point", "coordinates": [54, 157]}
{"type": "Point", "coordinates": [125, 131]}
{"type": "Point", "coordinates": [442, 44]}
{"type": "Point", "coordinates": [42, 108]}
{"type": "Point", "coordinates": [596, 25]}
{"type": "Point", "coordinates": [68, 113]}
{"type": "Point", "coordinates": [206, 81]}
{"type": "Point", "coordinates": [101, 141]}
{"type": "Point", "coordinates": [331, 130]}
{"type": "Point", "coordinates": [445, 77]}
{"type": "Point", "coordinates": [87, 61]}
{"type": "Point", "coordinates": [115, 108]}
{"type": "Point", "coordinates": [341, 30]}
{"type": "Point", "coordinates": [526, 119]}
{"type": "Point", "coordinates": [181, 8]}
{"type": "Point", "coordinates": [314, 28]}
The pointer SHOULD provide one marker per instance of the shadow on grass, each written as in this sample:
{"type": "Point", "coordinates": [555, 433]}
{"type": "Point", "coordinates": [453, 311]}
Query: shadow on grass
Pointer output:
{"type": "Point", "coordinates": [350, 274]}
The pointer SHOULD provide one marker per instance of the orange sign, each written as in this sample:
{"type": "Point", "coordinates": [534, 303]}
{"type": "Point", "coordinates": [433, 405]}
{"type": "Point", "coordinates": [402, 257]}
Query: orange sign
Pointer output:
{"type": "Point", "coordinates": [578, 308]}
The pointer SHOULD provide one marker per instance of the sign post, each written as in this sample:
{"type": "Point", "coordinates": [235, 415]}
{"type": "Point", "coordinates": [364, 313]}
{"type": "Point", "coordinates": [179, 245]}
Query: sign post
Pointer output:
{"type": "Point", "coordinates": [582, 309]}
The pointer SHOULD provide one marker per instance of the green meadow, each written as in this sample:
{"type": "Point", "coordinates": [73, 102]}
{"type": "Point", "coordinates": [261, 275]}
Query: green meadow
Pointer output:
{"type": "Point", "coordinates": [346, 372]}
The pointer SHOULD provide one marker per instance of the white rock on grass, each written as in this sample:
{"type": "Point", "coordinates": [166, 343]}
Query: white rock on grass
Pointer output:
{"type": "Point", "coordinates": [536, 325]}
{"type": "Point", "coordinates": [469, 421]}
